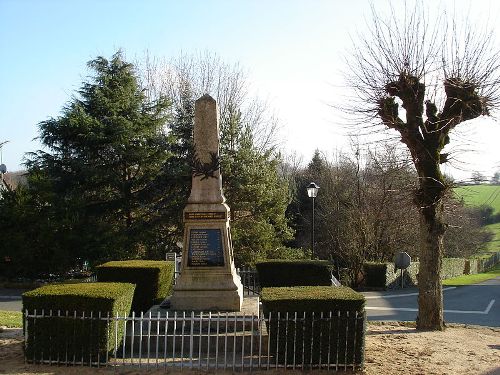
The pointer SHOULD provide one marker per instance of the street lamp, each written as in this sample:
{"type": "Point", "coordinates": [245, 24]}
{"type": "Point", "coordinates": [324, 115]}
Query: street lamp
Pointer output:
{"type": "Point", "coordinates": [312, 192]}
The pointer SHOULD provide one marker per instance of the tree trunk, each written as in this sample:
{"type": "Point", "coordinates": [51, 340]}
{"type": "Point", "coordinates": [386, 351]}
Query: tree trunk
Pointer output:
{"type": "Point", "coordinates": [429, 198]}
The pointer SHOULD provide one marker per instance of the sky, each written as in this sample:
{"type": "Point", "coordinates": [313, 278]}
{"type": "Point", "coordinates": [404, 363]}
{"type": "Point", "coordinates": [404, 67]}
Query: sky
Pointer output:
{"type": "Point", "coordinates": [292, 50]}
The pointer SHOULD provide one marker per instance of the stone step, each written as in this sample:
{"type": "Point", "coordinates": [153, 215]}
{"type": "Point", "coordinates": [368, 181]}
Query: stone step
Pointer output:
{"type": "Point", "coordinates": [238, 342]}
{"type": "Point", "coordinates": [196, 322]}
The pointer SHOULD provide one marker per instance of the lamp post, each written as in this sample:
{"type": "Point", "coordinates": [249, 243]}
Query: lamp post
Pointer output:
{"type": "Point", "coordinates": [312, 192]}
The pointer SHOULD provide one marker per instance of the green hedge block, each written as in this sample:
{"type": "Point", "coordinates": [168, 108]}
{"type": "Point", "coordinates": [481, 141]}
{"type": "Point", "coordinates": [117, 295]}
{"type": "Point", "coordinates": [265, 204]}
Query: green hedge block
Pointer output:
{"type": "Point", "coordinates": [154, 279]}
{"type": "Point", "coordinates": [312, 325]}
{"type": "Point", "coordinates": [375, 274]}
{"type": "Point", "coordinates": [312, 298]}
{"type": "Point", "coordinates": [277, 273]}
{"type": "Point", "coordinates": [67, 327]}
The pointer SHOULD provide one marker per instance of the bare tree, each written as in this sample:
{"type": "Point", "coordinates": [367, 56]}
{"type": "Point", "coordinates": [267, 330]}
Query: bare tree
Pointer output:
{"type": "Point", "coordinates": [441, 74]}
{"type": "Point", "coordinates": [204, 73]}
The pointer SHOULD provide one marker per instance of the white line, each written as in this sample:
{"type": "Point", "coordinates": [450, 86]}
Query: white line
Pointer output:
{"type": "Point", "coordinates": [465, 312]}
{"type": "Point", "coordinates": [390, 308]}
{"type": "Point", "coordinates": [485, 312]}
{"type": "Point", "coordinates": [404, 295]}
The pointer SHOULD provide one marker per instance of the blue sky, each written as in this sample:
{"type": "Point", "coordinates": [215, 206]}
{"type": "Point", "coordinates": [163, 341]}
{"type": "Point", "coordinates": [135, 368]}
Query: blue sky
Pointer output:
{"type": "Point", "coordinates": [292, 50]}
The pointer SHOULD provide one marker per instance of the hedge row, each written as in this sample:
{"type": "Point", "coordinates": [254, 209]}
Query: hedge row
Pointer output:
{"type": "Point", "coordinates": [329, 326]}
{"type": "Point", "coordinates": [384, 275]}
{"type": "Point", "coordinates": [56, 334]}
{"type": "Point", "coordinates": [154, 279]}
{"type": "Point", "coordinates": [87, 337]}
{"type": "Point", "coordinates": [278, 273]}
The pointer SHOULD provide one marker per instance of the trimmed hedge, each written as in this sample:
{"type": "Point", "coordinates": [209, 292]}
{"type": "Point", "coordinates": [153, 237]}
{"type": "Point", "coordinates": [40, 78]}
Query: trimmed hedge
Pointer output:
{"type": "Point", "coordinates": [314, 335]}
{"type": "Point", "coordinates": [375, 274]}
{"type": "Point", "coordinates": [70, 334]}
{"type": "Point", "coordinates": [154, 279]}
{"type": "Point", "coordinates": [279, 273]}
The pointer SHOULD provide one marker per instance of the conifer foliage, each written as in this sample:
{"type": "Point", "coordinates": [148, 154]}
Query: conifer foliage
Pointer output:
{"type": "Point", "coordinates": [103, 157]}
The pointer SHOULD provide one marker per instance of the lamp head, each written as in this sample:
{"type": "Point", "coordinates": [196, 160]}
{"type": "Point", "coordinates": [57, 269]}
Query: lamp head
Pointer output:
{"type": "Point", "coordinates": [312, 190]}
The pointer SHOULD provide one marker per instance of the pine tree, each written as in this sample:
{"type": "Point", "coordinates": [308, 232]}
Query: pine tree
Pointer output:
{"type": "Point", "coordinates": [257, 195]}
{"type": "Point", "coordinates": [104, 153]}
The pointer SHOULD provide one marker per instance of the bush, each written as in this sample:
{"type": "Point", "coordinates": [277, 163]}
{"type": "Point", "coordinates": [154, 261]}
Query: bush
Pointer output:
{"type": "Point", "coordinates": [324, 323]}
{"type": "Point", "coordinates": [154, 279]}
{"type": "Point", "coordinates": [66, 330]}
{"type": "Point", "coordinates": [375, 274]}
{"type": "Point", "coordinates": [278, 273]}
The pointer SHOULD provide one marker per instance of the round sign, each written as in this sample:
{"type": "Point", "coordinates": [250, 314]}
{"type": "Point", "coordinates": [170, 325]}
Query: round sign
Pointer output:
{"type": "Point", "coordinates": [3, 168]}
{"type": "Point", "coordinates": [402, 261]}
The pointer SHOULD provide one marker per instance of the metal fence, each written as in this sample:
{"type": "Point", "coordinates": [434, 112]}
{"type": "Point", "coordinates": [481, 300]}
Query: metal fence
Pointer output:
{"type": "Point", "coordinates": [229, 341]}
{"type": "Point", "coordinates": [250, 280]}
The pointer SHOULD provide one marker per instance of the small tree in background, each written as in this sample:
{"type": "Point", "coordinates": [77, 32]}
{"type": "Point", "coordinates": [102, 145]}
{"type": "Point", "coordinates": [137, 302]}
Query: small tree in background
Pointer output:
{"type": "Point", "coordinates": [363, 209]}
{"type": "Point", "coordinates": [495, 179]}
{"type": "Point", "coordinates": [441, 76]}
{"type": "Point", "coordinates": [478, 177]}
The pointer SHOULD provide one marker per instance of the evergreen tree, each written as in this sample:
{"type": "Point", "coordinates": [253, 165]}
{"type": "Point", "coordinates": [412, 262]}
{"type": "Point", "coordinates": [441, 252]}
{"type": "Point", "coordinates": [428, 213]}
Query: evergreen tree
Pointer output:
{"type": "Point", "coordinates": [105, 152]}
{"type": "Point", "coordinates": [177, 169]}
{"type": "Point", "coordinates": [257, 195]}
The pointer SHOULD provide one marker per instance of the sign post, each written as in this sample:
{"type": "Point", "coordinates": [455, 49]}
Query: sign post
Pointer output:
{"type": "Point", "coordinates": [402, 262]}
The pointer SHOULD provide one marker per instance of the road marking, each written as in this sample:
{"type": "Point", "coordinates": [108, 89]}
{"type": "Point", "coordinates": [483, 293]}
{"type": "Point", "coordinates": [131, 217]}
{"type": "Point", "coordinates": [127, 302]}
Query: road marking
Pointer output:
{"type": "Point", "coordinates": [489, 306]}
{"type": "Point", "coordinates": [405, 295]}
{"type": "Point", "coordinates": [390, 308]}
{"type": "Point", "coordinates": [485, 312]}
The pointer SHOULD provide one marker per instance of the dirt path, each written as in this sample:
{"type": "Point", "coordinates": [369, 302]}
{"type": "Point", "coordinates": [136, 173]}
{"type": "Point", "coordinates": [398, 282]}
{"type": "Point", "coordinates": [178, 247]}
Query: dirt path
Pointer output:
{"type": "Point", "coordinates": [390, 349]}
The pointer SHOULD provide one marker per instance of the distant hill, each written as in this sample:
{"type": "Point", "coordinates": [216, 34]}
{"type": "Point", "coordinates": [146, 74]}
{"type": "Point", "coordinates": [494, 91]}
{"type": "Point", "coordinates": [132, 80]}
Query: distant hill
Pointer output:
{"type": "Point", "coordinates": [477, 195]}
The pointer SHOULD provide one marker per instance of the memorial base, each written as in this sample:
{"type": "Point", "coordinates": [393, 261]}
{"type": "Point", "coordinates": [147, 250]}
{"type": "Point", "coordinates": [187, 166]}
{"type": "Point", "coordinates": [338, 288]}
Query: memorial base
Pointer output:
{"type": "Point", "coordinates": [207, 291]}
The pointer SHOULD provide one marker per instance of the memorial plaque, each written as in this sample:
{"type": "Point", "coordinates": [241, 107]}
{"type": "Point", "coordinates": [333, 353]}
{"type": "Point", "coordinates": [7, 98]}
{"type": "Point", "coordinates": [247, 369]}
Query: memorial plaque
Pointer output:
{"type": "Point", "coordinates": [205, 248]}
{"type": "Point", "coordinates": [205, 215]}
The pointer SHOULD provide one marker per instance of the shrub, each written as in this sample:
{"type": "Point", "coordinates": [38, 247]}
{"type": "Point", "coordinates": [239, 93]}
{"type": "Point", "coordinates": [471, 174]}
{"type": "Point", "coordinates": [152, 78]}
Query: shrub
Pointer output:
{"type": "Point", "coordinates": [324, 323]}
{"type": "Point", "coordinates": [278, 273]}
{"type": "Point", "coordinates": [375, 274]}
{"type": "Point", "coordinates": [154, 279]}
{"type": "Point", "coordinates": [67, 326]}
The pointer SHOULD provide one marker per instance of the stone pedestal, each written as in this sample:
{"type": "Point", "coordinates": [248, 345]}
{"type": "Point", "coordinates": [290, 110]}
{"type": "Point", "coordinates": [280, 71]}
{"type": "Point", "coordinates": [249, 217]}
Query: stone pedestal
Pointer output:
{"type": "Point", "coordinates": [208, 279]}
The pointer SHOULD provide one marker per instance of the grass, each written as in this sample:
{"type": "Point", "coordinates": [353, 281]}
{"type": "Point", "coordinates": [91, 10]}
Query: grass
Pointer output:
{"type": "Point", "coordinates": [11, 319]}
{"type": "Point", "coordinates": [494, 244]}
{"type": "Point", "coordinates": [477, 195]}
{"type": "Point", "coordinates": [473, 279]}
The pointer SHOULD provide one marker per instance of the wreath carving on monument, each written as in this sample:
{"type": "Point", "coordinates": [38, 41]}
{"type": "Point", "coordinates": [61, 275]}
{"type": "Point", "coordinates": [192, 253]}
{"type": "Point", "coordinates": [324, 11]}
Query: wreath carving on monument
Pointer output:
{"type": "Point", "coordinates": [206, 170]}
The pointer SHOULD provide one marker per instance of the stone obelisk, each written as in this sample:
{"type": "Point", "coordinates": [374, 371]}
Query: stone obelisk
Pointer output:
{"type": "Point", "coordinates": [208, 279]}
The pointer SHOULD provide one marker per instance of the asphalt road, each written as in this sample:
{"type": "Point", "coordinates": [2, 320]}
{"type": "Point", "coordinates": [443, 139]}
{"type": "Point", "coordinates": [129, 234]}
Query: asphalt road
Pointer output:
{"type": "Point", "coordinates": [10, 299]}
{"type": "Point", "coordinates": [474, 304]}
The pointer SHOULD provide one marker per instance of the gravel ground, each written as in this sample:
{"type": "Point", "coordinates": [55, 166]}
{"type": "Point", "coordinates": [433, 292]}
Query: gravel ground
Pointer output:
{"type": "Point", "coordinates": [390, 349]}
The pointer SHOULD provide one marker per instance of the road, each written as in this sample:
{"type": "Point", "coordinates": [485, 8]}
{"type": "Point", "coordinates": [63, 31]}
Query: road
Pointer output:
{"type": "Point", "coordinates": [10, 299]}
{"type": "Point", "coordinates": [474, 304]}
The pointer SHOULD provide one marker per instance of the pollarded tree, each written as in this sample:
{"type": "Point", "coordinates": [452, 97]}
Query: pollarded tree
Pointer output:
{"type": "Point", "coordinates": [441, 76]}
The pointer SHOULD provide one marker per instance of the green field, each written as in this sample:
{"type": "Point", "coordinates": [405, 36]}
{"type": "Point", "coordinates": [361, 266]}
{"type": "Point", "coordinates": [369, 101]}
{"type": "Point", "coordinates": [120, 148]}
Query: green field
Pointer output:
{"type": "Point", "coordinates": [477, 195]}
{"type": "Point", "coordinates": [494, 244]}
